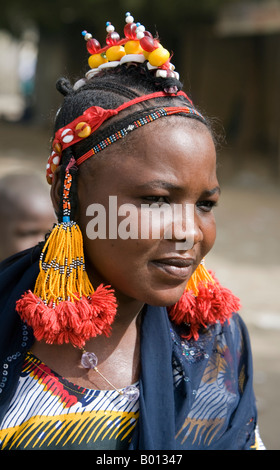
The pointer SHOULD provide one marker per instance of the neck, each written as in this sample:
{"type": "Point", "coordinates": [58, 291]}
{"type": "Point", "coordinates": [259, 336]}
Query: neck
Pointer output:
{"type": "Point", "coordinates": [128, 307]}
{"type": "Point", "coordinates": [125, 329]}
{"type": "Point", "coordinates": [118, 355]}
{"type": "Point", "coordinates": [128, 311]}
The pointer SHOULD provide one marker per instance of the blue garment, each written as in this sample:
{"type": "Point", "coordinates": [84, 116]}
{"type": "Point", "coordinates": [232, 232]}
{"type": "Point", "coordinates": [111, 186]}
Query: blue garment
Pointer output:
{"type": "Point", "coordinates": [212, 407]}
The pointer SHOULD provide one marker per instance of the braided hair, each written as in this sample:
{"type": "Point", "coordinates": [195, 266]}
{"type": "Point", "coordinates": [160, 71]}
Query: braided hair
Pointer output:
{"type": "Point", "coordinates": [110, 89]}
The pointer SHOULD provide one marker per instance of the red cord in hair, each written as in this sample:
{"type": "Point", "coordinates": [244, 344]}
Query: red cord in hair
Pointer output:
{"type": "Point", "coordinates": [95, 116]}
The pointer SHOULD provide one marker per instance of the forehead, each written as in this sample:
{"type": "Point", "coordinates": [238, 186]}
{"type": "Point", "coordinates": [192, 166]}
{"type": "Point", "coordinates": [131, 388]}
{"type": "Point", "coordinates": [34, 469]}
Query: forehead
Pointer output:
{"type": "Point", "coordinates": [162, 146]}
{"type": "Point", "coordinates": [171, 132]}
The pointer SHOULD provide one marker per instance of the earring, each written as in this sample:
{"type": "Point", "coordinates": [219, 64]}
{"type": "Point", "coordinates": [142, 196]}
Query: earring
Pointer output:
{"type": "Point", "coordinates": [64, 307]}
{"type": "Point", "coordinates": [203, 303]}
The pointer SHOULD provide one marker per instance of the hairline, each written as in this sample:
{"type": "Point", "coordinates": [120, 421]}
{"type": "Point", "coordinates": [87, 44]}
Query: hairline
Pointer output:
{"type": "Point", "coordinates": [129, 140]}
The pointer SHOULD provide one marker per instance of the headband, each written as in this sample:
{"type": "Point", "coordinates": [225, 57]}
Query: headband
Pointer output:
{"type": "Point", "coordinates": [92, 119]}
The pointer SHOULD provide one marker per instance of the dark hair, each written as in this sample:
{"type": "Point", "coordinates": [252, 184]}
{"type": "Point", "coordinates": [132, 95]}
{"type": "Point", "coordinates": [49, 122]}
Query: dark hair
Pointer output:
{"type": "Point", "coordinates": [109, 89]}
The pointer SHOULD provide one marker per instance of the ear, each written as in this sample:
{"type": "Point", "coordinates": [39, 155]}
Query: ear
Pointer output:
{"type": "Point", "coordinates": [56, 190]}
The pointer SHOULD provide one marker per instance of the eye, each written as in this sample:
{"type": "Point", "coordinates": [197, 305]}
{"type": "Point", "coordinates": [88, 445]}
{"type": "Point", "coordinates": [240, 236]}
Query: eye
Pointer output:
{"type": "Point", "coordinates": [207, 205]}
{"type": "Point", "coordinates": [156, 200]}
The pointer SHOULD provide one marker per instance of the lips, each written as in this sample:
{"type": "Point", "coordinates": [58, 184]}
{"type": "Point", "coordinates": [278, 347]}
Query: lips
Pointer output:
{"type": "Point", "coordinates": [177, 266]}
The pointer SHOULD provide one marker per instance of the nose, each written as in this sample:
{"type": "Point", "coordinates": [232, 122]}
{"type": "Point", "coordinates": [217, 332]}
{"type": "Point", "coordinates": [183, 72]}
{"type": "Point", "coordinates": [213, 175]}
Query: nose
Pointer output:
{"type": "Point", "coordinates": [186, 230]}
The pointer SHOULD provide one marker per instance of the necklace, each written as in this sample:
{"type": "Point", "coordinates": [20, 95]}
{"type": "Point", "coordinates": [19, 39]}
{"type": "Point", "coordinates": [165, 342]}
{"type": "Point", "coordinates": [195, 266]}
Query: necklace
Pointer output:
{"type": "Point", "coordinates": [89, 361]}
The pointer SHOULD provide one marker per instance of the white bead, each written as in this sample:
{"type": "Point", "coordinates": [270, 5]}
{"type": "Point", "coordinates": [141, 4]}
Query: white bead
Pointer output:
{"type": "Point", "coordinates": [141, 28]}
{"type": "Point", "coordinates": [110, 28]}
{"type": "Point", "coordinates": [161, 73]}
{"type": "Point", "coordinates": [151, 67]}
{"type": "Point", "coordinates": [129, 19]}
{"type": "Point", "coordinates": [132, 58]}
{"type": "Point", "coordinates": [107, 65]}
{"type": "Point", "coordinates": [140, 35]}
{"type": "Point", "coordinates": [56, 160]}
{"type": "Point", "coordinates": [67, 136]}
{"type": "Point", "coordinates": [88, 36]}
{"type": "Point", "coordinates": [91, 73]}
{"type": "Point", "coordinates": [79, 83]}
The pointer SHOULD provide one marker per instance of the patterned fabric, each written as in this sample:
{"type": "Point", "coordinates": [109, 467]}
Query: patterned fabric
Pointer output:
{"type": "Point", "coordinates": [214, 401]}
{"type": "Point", "coordinates": [48, 412]}
{"type": "Point", "coordinates": [219, 389]}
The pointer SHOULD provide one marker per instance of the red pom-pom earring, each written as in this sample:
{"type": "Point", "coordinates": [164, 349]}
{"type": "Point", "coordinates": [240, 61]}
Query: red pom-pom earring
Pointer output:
{"type": "Point", "coordinates": [203, 303]}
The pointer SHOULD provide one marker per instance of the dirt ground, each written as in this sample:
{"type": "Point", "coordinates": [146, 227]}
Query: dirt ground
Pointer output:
{"type": "Point", "coordinates": [245, 258]}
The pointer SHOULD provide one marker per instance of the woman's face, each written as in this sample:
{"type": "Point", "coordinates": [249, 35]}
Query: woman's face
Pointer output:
{"type": "Point", "coordinates": [172, 164]}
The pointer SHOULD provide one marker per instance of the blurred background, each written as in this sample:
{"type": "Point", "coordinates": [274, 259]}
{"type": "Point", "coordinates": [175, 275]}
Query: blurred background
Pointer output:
{"type": "Point", "coordinates": [228, 55]}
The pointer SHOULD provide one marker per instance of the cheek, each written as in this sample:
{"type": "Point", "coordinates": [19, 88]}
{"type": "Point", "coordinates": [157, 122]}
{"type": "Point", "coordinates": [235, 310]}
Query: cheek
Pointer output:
{"type": "Point", "coordinates": [121, 264]}
{"type": "Point", "coordinates": [209, 234]}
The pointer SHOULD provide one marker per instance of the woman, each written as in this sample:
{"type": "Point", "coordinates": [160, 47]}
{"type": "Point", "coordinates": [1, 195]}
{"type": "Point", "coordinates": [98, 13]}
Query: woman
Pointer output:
{"type": "Point", "coordinates": [138, 347]}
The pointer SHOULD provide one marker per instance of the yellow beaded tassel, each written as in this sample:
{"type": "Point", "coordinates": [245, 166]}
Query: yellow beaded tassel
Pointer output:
{"type": "Point", "coordinates": [62, 275]}
{"type": "Point", "coordinates": [201, 275]}
{"type": "Point", "coordinates": [64, 307]}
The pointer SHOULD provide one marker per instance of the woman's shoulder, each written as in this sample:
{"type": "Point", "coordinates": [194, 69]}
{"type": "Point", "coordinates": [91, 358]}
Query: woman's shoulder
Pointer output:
{"type": "Point", "coordinates": [231, 335]}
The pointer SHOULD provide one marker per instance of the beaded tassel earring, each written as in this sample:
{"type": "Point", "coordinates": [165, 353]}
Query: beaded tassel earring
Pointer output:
{"type": "Point", "coordinates": [203, 303]}
{"type": "Point", "coordinates": [64, 307]}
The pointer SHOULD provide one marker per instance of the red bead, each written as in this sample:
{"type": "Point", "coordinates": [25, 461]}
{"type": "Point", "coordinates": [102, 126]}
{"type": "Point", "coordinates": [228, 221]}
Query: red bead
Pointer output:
{"type": "Point", "coordinates": [130, 31]}
{"type": "Point", "coordinates": [112, 38]}
{"type": "Point", "coordinates": [147, 33]}
{"type": "Point", "coordinates": [148, 43]}
{"type": "Point", "coordinates": [93, 46]}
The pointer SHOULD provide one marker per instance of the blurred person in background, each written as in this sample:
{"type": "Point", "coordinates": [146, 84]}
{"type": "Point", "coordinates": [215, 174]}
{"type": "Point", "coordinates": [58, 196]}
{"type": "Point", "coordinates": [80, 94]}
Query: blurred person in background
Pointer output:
{"type": "Point", "coordinates": [26, 214]}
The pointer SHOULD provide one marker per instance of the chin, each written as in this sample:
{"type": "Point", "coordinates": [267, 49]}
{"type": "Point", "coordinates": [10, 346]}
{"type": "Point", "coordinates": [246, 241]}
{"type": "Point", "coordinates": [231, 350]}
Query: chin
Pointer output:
{"type": "Point", "coordinates": [163, 303]}
{"type": "Point", "coordinates": [166, 298]}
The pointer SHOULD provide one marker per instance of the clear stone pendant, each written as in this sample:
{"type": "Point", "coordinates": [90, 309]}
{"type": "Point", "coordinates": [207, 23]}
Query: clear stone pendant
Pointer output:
{"type": "Point", "coordinates": [131, 393]}
{"type": "Point", "coordinates": [89, 360]}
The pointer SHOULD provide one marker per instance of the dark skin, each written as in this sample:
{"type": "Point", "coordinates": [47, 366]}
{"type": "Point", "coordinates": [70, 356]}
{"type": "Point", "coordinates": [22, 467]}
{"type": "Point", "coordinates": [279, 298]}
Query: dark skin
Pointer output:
{"type": "Point", "coordinates": [176, 165]}
{"type": "Point", "coordinates": [24, 222]}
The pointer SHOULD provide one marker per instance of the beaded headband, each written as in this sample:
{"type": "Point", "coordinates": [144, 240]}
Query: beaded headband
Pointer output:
{"type": "Point", "coordinates": [120, 134]}
{"type": "Point", "coordinates": [83, 126]}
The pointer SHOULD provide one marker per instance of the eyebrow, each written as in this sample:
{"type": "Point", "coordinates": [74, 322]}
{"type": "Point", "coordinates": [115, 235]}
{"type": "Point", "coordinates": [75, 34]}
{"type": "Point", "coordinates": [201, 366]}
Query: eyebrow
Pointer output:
{"type": "Point", "coordinates": [158, 184]}
{"type": "Point", "coordinates": [211, 192]}
{"type": "Point", "coordinates": [167, 185]}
